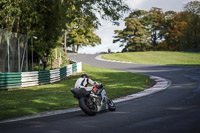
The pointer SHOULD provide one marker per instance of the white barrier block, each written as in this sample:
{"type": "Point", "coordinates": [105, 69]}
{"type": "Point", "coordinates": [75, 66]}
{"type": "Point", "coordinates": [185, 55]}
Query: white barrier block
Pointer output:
{"type": "Point", "coordinates": [27, 84]}
{"type": "Point", "coordinates": [29, 79]}
{"type": "Point", "coordinates": [69, 70]}
{"type": "Point", "coordinates": [54, 80]}
{"type": "Point", "coordinates": [55, 71]}
{"type": "Point", "coordinates": [79, 67]}
{"type": "Point", "coordinates": [30, 74]}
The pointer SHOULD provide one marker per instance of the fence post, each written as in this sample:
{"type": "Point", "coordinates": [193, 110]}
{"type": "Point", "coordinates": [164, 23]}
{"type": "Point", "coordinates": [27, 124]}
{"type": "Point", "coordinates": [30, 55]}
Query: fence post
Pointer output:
{"type": "Point", "coordinates": [8, 45]}
{"type": "Point", "coordinates": [27, 55]}
{"type": "Point", "coordinates": [18, 41]}
{"type": "Point", "coordinates": [32, 52]}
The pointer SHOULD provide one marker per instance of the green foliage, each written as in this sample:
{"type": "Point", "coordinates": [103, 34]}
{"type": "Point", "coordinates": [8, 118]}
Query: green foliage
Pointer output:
{"type": "Point", "coordinates": [81, 33]}
{"type": "Point", "coordinates": [191, 35]}
{"type": "Point", "coordinates": [163, 30]}
{"type": "Point", "coordinates": [83, 20]}
{"type": "Point", "coordinates": [134, 35]}
{"type": "Point", "coordinates": [54, 58]}
{"type": "Point", "coordinates": [154, 20]}
{"type": "Point", "coordinates": [176, 27]}
{"type": "Point", "coordinates": [49, 19]}
{"type": "Point", "coordinates": [184, 29]}
{"type": "Point", "coordinates": [144, 29]}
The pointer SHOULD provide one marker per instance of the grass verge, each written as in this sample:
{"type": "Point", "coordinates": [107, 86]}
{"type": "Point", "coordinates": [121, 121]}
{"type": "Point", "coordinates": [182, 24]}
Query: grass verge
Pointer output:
{"type": "Point", "coordinates": [32, 100]}
{"type": "Point", "coordinates": [157, 57]}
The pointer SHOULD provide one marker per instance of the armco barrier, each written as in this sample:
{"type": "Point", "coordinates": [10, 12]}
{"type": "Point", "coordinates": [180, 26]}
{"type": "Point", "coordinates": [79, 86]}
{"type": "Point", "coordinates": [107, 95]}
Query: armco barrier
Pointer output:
{"type": "Point", "coordinates": [27, 79]}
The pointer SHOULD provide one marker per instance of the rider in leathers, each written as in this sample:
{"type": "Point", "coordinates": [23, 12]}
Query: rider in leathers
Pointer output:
{"type": "Point", "coordinates": [83, 81]}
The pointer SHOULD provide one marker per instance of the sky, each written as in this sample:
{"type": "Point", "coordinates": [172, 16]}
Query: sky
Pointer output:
{"type": "Point", "coordinates": [106, 30]}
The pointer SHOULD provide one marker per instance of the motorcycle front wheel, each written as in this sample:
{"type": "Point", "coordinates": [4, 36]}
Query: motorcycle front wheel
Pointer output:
{"type": "Point", "coordinates": [111, 105]}
{"type": "Point", "coordinates": [87, 106]}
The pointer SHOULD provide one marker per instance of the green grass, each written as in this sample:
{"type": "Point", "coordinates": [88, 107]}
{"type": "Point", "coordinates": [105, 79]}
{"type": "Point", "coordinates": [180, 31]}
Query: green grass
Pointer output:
{"type": "Point", "coordinates": [157, 57]}
{"type": "Point", "coordinates": [32, 100]}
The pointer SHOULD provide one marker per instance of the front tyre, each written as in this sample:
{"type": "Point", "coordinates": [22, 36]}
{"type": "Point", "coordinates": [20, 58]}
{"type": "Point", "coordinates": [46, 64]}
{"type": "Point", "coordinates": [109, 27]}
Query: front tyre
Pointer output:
{"type": "Point", "coordinates": [111, 105]}
{"type": "Point", "coordinates": [87, 106]}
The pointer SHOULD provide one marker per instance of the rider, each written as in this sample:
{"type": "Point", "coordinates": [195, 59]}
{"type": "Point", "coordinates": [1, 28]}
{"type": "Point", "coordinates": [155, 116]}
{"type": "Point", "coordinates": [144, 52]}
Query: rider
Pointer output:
{"type": "Point", "coordinates": [83, 81]}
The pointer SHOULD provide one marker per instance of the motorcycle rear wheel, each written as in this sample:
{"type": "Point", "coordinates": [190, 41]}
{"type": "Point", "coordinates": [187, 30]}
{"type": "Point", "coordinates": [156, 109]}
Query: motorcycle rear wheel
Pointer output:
{"type": "Point", "coordinates": [88, 109]}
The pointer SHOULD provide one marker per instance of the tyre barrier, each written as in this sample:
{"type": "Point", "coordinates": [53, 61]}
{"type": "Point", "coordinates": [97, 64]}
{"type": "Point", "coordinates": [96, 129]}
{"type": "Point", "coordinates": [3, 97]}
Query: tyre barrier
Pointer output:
{"type": "Point", "coordinates": [27, 79]}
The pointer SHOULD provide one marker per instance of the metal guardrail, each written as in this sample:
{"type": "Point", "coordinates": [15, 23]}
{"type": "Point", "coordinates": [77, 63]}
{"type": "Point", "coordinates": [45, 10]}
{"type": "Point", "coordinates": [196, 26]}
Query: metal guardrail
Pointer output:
{"type": "Point", "coordinates": [27, 79]}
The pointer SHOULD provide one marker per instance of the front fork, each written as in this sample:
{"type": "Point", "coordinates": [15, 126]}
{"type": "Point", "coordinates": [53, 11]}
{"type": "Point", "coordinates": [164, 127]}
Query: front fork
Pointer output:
{"type": "Point", "coordinates": [104, 97]}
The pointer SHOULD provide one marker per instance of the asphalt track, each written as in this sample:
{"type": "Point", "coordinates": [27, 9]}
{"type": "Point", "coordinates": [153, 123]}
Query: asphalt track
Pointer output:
{"type": "Point", "coordinates": [174, 110]}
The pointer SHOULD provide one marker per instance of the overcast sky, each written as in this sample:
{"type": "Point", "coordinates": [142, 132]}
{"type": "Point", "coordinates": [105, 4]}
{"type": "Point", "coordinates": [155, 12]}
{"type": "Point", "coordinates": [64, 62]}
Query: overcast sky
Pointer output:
{"type": "Point", "coordinates": [106, 31]}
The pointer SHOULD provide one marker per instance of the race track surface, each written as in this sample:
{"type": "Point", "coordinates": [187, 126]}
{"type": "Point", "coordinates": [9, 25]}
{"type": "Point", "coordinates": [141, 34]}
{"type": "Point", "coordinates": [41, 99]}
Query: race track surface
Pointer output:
{"type": "Point", "coordinates": [174, 110]}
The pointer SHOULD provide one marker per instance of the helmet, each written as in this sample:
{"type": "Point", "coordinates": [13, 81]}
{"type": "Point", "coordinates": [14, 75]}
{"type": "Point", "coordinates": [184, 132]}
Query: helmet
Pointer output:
{"type": "Point", "coordinates": [84, 76]}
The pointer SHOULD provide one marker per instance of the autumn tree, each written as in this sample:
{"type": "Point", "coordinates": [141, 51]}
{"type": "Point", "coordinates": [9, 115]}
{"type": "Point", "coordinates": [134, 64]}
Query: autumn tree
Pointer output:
{"type": "Point", "coordinates": [148, 29]}
{"type": "Point", "coordinates": [191, 35]}
{"type": "Point", "coordinates": [163, 30]}
{"type": "Point", "coordinates": [175, 30]}
{"type": "Point", "coordinates": [184, 29]}
{"type": "Point", "coordinates": [153, 21]}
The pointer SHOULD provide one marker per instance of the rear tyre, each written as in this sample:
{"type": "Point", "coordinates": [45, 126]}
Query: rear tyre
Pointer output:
{"type": "Point", "coordinates": [87, 107]}
{"type": "Point", "coordinates": [111, 105]}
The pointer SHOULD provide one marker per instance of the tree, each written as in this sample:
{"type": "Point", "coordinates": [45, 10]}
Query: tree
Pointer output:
{"type": "Point", "coordinates": [34, 18]}
{"type": "Point", "coordinates": [191, 36]}
{"type": "Point", "coordinates": [108, 9]}
{"type": "Point", "coordinates": [81, 34]}
{"type": "Point", "coordinates": [47, 19]}
{"type": "Point", "coordinates": [134, 36]}
{"type": "Point", "coordinates": [145, 28]}
{"type": "Point", "coordinates": [153, 21]}
{"type": "Point", "coordinates": [193, 7]}
{"type": "Point", "coordinates": [175, 30]}
{"type": "Point", "coordinates": [184, 29]}
{"type": "Point", "coordinates": [81, 28]}
{"type": "Point", "coordinates": [164, 30]}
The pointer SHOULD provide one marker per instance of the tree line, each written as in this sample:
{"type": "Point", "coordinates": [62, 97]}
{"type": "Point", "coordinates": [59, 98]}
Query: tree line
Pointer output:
{"type": "Point", "coordinates": [158, 30]}
{"type": "Point", "coordinates": [50, 20]}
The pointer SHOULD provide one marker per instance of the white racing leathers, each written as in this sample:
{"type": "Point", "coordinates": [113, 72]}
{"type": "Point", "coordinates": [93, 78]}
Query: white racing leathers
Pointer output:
{"type": "Point", "coordinates": [83, 82]}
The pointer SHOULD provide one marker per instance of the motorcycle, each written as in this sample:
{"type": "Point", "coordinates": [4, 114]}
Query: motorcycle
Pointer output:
{"type": "Point", "coordinates": [93, 101]}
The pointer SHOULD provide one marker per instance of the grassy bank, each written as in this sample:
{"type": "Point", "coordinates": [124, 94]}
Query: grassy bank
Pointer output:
{"type": "Point", "coordinates": [157, 57]}
{"type": "Point", "coordinates": [32, 100]}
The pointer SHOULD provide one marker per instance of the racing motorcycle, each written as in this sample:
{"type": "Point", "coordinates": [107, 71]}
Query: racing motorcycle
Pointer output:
{"type": "Point", "coordinates": [93, 101]}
